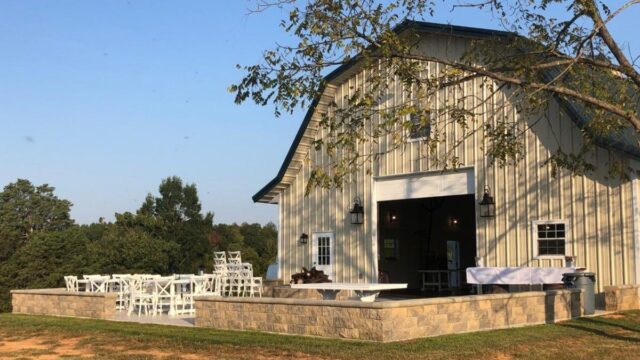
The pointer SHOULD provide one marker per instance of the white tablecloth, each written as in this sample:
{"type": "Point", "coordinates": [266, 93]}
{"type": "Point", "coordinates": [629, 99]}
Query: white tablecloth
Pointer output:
{"type": "Point", "coordinates": [516, 275]}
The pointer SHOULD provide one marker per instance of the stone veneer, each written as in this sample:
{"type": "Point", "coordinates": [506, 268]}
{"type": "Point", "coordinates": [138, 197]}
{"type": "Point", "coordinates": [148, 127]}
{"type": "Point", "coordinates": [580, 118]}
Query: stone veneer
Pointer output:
{"type": "Point", "coordinates": [388, 320]}
{"type": "Point", "coordinates": [622, 297]}
{"type": "Point", "coordinates": [286, 292]}
{"type": "Point", "coordinates": [59, 302]}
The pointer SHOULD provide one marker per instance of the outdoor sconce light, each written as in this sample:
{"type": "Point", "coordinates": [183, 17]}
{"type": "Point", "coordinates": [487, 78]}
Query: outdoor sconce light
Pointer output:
{"type": "Point", "coordinates": [304, 239]}
{"type": "Point", "coordinates": [357, 212]}
{"type": "Point", "coordinates": [487, 205]}
{"type": "Point", "coordinates": [453, 222]}
{"type": "Point", "coordinates": [393, 217]}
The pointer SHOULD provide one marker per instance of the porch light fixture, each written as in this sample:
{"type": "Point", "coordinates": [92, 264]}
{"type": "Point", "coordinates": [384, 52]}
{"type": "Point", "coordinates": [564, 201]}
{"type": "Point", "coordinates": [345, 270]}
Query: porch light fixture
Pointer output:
{"type": "Point", "coordinates": [304, 239]}
{"type": "Point", "coordinates": [487, 205]}
{"type": "Point", "coordinates": [357, 212]}
{"type": "Point", "coordinates": [393, 217]}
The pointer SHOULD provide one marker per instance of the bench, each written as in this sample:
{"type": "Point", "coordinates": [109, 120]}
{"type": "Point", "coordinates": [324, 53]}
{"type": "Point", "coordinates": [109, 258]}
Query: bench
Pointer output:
{"type": "Point", "coordinates": [366, 292]}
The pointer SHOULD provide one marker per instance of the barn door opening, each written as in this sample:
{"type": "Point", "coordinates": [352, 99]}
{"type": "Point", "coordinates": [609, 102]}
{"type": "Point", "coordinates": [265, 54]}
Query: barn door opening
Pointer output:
{"type": "Point", "coordinates": [428, 243]}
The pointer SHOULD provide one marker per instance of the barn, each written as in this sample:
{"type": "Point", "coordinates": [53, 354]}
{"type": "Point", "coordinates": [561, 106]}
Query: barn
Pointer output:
{"type": "Point", "coordinates": [424, 225]}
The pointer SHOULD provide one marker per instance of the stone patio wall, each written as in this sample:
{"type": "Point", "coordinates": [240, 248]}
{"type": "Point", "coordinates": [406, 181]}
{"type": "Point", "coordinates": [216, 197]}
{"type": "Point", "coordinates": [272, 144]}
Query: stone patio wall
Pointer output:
{"type": "Point", "coordinates": [59, 302]}
{"type": "Point", "coordinates": [286, 292]}
{"type": "Point", "coordinates": [388, 320]}
{"type": "Point", "coordinates": [622, 297]}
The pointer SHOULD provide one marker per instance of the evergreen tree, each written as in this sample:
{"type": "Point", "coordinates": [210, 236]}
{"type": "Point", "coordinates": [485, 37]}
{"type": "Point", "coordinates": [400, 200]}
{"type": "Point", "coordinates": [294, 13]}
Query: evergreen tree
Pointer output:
{"type": "Point", "coordinates": [26, 210]}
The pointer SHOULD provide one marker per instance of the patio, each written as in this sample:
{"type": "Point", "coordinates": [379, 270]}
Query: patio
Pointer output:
{"type": "Point", "coordinates": [384, 320]}
{"type": "Point", "coordinates": [231, 299]}
{"type": "Point", "coordinates": [174, 295]}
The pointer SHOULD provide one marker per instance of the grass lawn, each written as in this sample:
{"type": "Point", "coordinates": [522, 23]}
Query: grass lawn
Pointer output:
{"type": "Point", "coordinates": [40, 337]}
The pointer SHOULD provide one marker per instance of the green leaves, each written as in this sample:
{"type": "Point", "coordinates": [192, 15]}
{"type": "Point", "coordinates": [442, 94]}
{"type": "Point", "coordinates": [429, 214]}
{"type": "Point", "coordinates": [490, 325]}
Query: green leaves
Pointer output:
{"type": "Point", "coordinates": [176, 218]}
{"type": "Point", "coordinates": [168, 234]}
{"type": "Point", "coordinates": [558, 49]}
{"type": "Point", "coordinates": [26, 210]}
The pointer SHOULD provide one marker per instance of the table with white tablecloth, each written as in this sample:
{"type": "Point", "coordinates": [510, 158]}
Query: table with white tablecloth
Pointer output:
{"type": "Point", "coordinates": [516, 275]}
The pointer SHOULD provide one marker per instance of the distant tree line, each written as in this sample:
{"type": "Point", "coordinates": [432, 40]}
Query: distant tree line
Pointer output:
{"type": "Point", "coordinates": [40, 242]}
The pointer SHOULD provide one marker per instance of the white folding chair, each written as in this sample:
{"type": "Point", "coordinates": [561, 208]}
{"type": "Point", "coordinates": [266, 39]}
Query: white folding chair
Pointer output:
{"type": "Point", "coordinates": [213, 284]}
{"type": "Point", "coordinates": [223, 272]}
{"type": "Point", "coordinates": [197, 286]}
{"type": "Point", "coordinates": [98, 284]}
{"type": "Point", "coordinates": [234, 257]}
{"type": "Point", "coordinates": [246, 273]}
{"type": "Point", "coordinates": [219, 258]}
{"type": "Point", "coordinates": [162, 294]}
{"type": "Point", "coordinates": [236, 283]}
{"type": "Point", "coordinates": [255, 286]}
{"type": "Point", "coordinates": [140, 295]}
{"type": "Point", "coordinates": [71, 283]}
{"type": "Point", "coordinates": [119, 284]}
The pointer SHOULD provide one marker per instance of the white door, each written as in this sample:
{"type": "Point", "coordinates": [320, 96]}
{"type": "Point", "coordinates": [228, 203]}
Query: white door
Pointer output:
{"type": "Point", "coordinates": [323, 252]}
{"type": "Point", "coordinates": [453, 262]}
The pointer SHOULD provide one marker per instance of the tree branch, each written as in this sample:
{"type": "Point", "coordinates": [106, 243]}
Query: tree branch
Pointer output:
{"type": "Point", "coordinates": [625, 66]}
{"type": "Point", "coordinates": [631, 118]}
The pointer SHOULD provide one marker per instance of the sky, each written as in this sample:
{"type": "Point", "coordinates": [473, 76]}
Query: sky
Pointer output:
{"type": "Point", "coordinates": [104, 99]}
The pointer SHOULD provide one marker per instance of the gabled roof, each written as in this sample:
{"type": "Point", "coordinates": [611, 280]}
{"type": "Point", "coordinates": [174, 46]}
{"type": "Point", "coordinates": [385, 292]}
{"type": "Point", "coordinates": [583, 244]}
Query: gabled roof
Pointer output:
{"type": "Point", "coordinates": [628, 144]}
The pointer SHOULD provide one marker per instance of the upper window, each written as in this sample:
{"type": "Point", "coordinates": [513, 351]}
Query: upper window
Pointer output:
{"type": "Point", "coordinates": [551, 237]}
{"type": "Point", "coordinates": [420, 125]}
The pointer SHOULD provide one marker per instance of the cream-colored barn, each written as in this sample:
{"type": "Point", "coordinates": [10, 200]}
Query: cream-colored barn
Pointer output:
{"type": "Point", "coordinates": [415, 213]}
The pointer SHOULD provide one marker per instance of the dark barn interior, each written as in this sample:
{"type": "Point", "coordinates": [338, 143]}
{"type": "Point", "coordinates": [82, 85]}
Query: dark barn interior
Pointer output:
{"type": "Point", "coordinates": [427, 237]}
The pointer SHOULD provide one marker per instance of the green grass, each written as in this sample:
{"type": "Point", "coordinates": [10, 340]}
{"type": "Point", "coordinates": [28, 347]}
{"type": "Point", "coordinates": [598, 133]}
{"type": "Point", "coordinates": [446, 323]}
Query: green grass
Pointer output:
{"type": "Point", "coordinates": [612, 337]}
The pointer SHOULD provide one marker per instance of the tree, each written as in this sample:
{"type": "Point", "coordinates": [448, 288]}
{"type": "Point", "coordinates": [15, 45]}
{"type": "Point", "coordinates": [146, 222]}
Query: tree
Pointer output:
{"type": "Point", "coordinates": [553, 49]}
{"type": "Point", "coordinates": [176, 216]}
{"type": "Point", "coordinates": [263, 239]}
{"type": "Point", "coordinates": [26, 210]}
{"type": "Point", "coordinates": [44, 261]}
{"type": "Point", "coordinates": [118, 249]}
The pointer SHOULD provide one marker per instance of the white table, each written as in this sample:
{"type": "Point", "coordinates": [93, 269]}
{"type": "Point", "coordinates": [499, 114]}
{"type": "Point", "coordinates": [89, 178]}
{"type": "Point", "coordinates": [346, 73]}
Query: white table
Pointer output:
{"type": "Point", "coordinates": [516, 275]}
{"type": "Point", "coordinates": [366, 292]}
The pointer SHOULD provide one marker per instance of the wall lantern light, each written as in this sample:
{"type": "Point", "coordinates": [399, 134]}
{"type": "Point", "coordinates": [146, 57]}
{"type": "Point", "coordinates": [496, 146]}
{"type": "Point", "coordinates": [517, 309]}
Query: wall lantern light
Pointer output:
{"type": "Point", "coordinates": [304, 239]}
{"type": "Point", "coordinates": [487, 205]}
{"type": "Point", "coordinates": [453, 222]}
{"type": "Point", "coordinates": [357, 212]}
{"type": "Point", "coordinates": [393, 217]}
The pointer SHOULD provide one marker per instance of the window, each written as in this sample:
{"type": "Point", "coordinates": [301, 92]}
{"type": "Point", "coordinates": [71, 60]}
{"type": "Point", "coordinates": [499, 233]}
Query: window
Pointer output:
{"type": "Point", "coordinates": [324, 250]}
{"type": "Point", "coordinates": [551, 237]}
{"type": "Point", "coordinates": [420, 125]}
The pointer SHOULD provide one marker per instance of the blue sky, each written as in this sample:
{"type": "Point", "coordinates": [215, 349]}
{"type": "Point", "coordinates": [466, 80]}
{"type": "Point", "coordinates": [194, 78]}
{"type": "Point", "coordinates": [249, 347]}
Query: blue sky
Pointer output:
{"type": "Point", "coordinates": [103, 99]}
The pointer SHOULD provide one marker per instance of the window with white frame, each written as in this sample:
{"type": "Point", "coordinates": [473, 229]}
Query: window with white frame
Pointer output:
{"type": "Point", "coordinates": [550, 237]}
{"type": "Point", "coordinates": [324, 250]}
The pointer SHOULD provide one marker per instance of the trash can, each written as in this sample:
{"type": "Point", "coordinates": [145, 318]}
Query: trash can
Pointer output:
{"type": "Point", "coordinates": [585, 281]}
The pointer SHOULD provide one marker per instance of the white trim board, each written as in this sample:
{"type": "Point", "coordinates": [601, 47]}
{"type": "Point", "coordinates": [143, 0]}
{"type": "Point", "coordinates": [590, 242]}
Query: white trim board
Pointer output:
{"type": "Point", "coordinates": [280, 242]}
{"type": "Point", "coordinates": [636, 225]}
{"type": "Point", "coordinates": [426, 185]}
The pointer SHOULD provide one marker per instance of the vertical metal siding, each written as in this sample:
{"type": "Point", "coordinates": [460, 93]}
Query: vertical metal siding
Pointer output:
{"type": "Point", "coordinates": [599, 210]}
